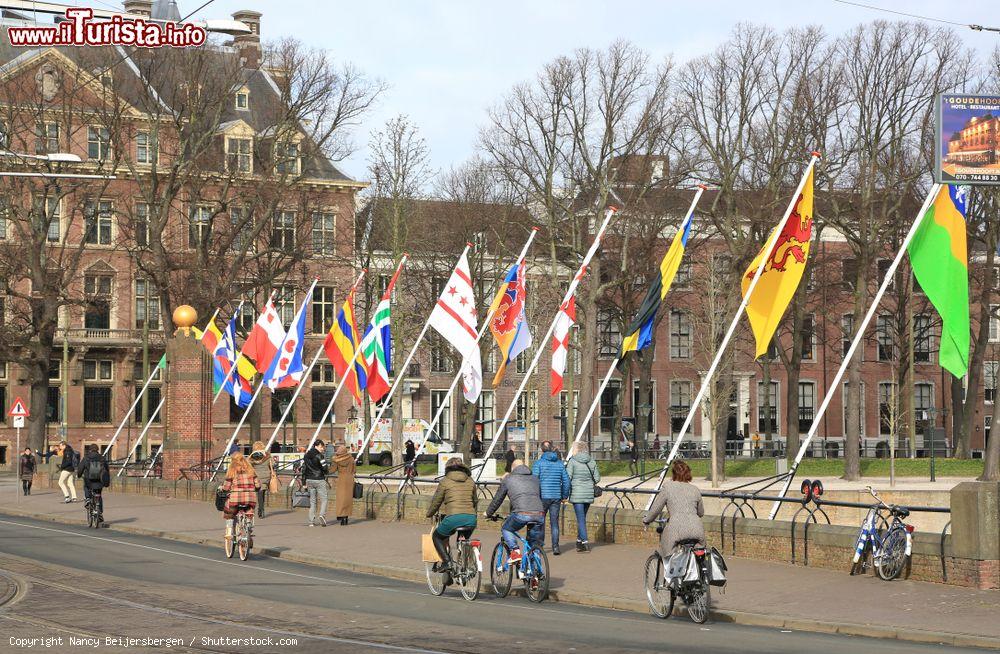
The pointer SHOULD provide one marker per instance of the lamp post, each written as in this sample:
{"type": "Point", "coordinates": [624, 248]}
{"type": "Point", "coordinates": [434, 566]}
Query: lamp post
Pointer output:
{"type": "Point", "coordinates": [352, 415]}
{"type": "Point", "coordinates": [931, 414]}
{"type": "Point", "coordinates": [644, 411]}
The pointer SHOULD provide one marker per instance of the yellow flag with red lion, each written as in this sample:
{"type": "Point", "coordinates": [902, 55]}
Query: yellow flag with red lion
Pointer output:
{"type": "Point", "coordinates": [782, 272]}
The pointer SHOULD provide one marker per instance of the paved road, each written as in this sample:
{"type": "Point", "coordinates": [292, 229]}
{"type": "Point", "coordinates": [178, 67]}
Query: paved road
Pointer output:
{"type": "Point", "coordinates": [70, 581]}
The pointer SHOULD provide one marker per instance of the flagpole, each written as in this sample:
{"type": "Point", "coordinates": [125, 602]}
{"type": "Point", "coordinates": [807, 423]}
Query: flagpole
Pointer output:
{"type": "Point", "coordinates": [229, 373]}
{"type": "Point", "coordinates": [145, 429]}
{"type": "Point", "coordinates": [350, 366]}
{"type": "Point", "coordinates": [399, 376]}
{"type": "Point", "coordinates": [544, 342]}
{"type": "Point", "coordinates": [768, 249]}
{"type": "Point", "coordinates": [253, 398]}
{"type": "Point", "coordinates": [152, 464]}
{"type": "Point", "coordinates": [482, 330]}
{"type": "Point", "coordinates": [305, 374]}
{"type": "Point", "coordinates": [855, 342]}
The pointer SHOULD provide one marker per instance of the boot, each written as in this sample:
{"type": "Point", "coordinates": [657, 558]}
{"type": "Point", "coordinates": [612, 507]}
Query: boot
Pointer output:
{"type": "Point", "coordinates": [343, 520]}
{"type": "Point", "coordinates": [581, 546]}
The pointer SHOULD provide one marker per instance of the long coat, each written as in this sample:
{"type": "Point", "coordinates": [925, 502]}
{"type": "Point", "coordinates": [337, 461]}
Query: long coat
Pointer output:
{"type": "Point", "coordinates": [344, 467]}
{"type": "Point", "coordinates": [27, 467]}
{"type": "Point", "coordinates": [684, 508]}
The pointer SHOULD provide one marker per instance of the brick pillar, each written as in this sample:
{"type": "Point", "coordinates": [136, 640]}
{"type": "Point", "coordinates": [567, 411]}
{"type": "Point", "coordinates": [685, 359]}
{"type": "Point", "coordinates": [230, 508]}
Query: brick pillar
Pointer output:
{"type": "Point", "coordinates": [187, 426]}
{"type": "Point", "coordinates": [975, 531]}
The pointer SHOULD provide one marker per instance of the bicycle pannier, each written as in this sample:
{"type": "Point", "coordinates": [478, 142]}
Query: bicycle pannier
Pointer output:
{"type": "Point", "coordinates": [716, 569]}
{"type": "Point", "coordinates": [221, 497]}
{"type": "Point", "coordinates": [300, 498]}
{"type": "Point", "coordinates": [677, 564]}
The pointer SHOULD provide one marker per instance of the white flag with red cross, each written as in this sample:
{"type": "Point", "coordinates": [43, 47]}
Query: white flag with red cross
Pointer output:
{"type": "Point", "coordinates": [454, 317]}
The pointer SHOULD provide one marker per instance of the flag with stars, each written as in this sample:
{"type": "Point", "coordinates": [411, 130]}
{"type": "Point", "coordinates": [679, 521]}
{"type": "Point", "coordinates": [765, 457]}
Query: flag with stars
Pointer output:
{"type": "Point", "coordinates": [454, 317]}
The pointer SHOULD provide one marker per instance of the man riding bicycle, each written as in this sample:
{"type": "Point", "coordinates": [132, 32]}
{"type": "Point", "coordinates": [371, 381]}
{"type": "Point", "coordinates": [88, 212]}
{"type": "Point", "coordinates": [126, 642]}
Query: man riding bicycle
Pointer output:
{"type": "Point", "coordinates": [525, 494]}
{"type": "Point", "coordinates": [93, 469]}
{"type": "Point", "coordinates": [456, 499]}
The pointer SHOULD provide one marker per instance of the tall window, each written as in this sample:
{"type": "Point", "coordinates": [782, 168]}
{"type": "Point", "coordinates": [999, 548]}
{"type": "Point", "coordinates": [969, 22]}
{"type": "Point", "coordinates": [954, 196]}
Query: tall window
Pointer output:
{"type": "Point", "coordinates": [47, 138]}
{"type": "Point", "coordinates": [886, 341]}
{"type": "Point", "coordinates": [153, 393]}
{"type": "Point", "coordinates": [994, 323]}
{"type": "Point", "coordinates": [767, 417]}
{"type": "Point", "coordinates": [440, 399]}
{"type": "Point", "coordinates": [280, 400]}
{"type": "Point", "coordinates": [51, 207]}
{"type": "Point", "coordinates": [650, 402]}
{"type": "Point", "coordinates": [609, 334]}
{"type": "Point", "coordinates": [241, 220]}
{"type": "Point", "coordinates": [243, 100]}
{"type": "Point", "coordinates": [680, 404]}
{"type": "Point", "coordinates": [807, 405]}
{"type": "Point", "coordinates": [283, 231]}
{"type": "Point", "coordinates": [323, 232]}
{"type": "Point", "coordinates": [147, 305]}
{"type": "Point", "coordinates": [886, 407]}
{"type": "Point", "coordinates": [680, 335]}
{"type": "Point", "coordinates": [846, 332]}
{"type": "Point", "coordinates": [288, 159]}
{"type": "Point", "coordinates": [990, 381]}
{"type": "Point", "coordinates": [142, 224]}
{"type": "Point", "coordinates": [146, 148]}
{"type": "Point", "coordinates": [324, 309]}
{"type": "Point", "coordinates": [97, 288]}
{"type": "Point", "coordinates": [609, 405]}
{"type": "Point", "coordinates": [200, 229]}
{"type": "Point", "coordinates": [440, 359]}
{"type": "Point", "coordinates": [323, 387]}
{"type": "Point", "coordinates": [923, 400]}
{"type": "Point", "coordinates": [808, 337]}
{"type": "Point", "coordinates": [526, 413]}
{"type": "Point", "coordinates": [97, 376]}
{"type": "Point", "coordinates": [98, 143]}
{"type": "Point", "coordinates": [97, 217]}
{"type": "Point", "coordinates": [682, 279]}
{"type": "Point", "coordinates": [564, 411]}
{"type": "Point", "coordinates": [922, 338]}
{"type": "Point", "coordinates": [485, 411]}
{"type": "Point", "coordinates": [284, 304]}
{"type": "Point", "coordinates": [239, 155]}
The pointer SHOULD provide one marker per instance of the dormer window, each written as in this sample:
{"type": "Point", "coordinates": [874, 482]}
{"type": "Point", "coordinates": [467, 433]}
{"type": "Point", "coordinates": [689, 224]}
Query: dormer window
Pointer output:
{"type": "Point", "coordinates": [243, 100]}
{"type": "Point", "coordinates": [288, 159]}
{"type": "Point", "coordinates": [239, 158]}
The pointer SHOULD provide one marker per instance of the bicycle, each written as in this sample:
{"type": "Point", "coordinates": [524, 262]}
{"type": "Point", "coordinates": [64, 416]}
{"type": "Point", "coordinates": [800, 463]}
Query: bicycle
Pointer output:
{"type": "Point", "coordinates": [662, 593]}
{"type": "Point", "coordinates": [885, 544]}
{"type": "Point", "coordinates": [533, 568]}
{"type": "Point", "coordinates": [465, 568]}
{"type": "Point", "coordinates": [242, 538]}
{"type": "Point", "coordinates": [95, 509]}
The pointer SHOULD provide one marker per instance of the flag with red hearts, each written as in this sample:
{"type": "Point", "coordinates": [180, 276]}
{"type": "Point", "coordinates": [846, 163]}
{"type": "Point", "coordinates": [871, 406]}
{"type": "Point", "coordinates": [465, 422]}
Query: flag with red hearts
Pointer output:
{"type": "Point", "coordinates": [287, 366]}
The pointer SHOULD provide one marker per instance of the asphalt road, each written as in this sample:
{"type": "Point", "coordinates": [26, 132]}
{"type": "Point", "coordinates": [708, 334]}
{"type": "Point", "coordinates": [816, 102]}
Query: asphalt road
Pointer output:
{"type": "Point", "coordinates": [67, 581]}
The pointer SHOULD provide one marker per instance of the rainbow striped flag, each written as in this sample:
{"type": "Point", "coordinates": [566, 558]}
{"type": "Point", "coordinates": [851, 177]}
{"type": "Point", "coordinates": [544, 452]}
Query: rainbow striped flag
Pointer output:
{"type": "Point", "coordinates": [339, 346]}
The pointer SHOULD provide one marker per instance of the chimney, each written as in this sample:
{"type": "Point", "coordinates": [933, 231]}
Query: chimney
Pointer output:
{"type": "Point", "coordinates": [248, 45]}
{"type": "Point", "coordinates": [139, 7]}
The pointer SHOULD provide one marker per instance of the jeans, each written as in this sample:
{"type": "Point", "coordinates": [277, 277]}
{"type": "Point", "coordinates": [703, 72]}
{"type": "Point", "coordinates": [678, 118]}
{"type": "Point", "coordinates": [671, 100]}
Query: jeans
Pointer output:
{"type": "Point", "coordinates": [516, 521]}
{"type": "Point", "coordinates": [551, 508]}
{"type": "Point", "coordinates": [581, 520]}
{"type": "Point", "coordinates": [67, 482]}
{"type": "Point", "coordinates": [261, 498]}
{"type": "Point", "coordinates": [317, 489]}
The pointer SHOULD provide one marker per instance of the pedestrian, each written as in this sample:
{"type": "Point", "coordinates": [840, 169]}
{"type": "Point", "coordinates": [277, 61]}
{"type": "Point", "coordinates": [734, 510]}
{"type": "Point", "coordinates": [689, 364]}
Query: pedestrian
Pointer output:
{"type": "Point", "coordinates": [525, 495]}
{"type": "Point", "coordinates": [235, 447]}
{"type": "Point", "coordinates": [554, 484]}
{"type": "Point", "coordinates": [633, 457]}
{"type": "Point", "coordinates": [345, 468]}
{"type": "Point", "coordinates": [509, 459]}
{"type": "Point", "coordinates": [67, 471]}
{"type": "Point", "coordinates": [242, 485]}
{"type": "Point", "coordinates": [682, 499]}
{"type": "Point", "coordinates": [411, 452]}
{"type": "Point", "coordinates": [314, 471]}
{"type": "Point", "coordinates": [93, 469]}
{"type": "Point", "coordinates": [26, 470]}
{"type": "Point", "coordinates": [476, 447]}
{"type": "Point", "coordinates": [263, 466]}
{"type": "Point", "coordinates": [656, 445]}
{"type": "Point", "coordinates": [583, 477]}
{"type": "Point", "coordinates": [457, 501]}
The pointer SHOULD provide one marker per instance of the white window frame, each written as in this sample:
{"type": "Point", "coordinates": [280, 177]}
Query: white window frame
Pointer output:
{"type": "Point", "coordinates": [98, 136]}
{"type": "Point", "coordinates": [326, 234]}
{"type": "Point", "coordinates": [243, 94]}
{"type": "Point", "coordinates": [238, 161]}
{"type": "Point", "coordinates": [775, 406]}
{"type": "Point", "coordinates": [102, 211]}
{"type": "Point", "coordinates": [439, 397]}
{"type": "Point", "coordinates": [147, 153]}
{"type": "Point", "coordinates": [99, 368]}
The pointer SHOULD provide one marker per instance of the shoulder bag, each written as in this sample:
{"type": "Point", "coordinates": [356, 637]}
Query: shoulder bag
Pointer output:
{"type": "Point", "coordinates": [598, 491]}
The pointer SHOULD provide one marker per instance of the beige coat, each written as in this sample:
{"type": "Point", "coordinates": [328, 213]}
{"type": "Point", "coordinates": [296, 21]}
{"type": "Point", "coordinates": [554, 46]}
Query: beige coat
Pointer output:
{"type": "Point", "coordinates": [343, 466]}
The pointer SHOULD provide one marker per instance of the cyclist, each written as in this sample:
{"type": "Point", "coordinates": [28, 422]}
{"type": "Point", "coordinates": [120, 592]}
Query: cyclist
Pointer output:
{"type": "Point", "coordinates": [525, 494]}
{"type": "Point", "coordinates": [456, 499]}
{"type": "Point", "coordinates": [682, 499]}
{"type": "Point", "coordinates": [93, 469]}
{"type": "Point", "coordinates": [242, 485]}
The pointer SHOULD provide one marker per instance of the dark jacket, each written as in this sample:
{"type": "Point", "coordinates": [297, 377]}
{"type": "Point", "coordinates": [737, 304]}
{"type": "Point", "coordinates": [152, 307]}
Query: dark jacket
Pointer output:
{"type": "Point", "coordinates": [508, 459]}
{"type": "Point", "coordinates": [67, 460]}
{"type": "Point", "coordinates": [522, 488]}
{"type": "Point", "coordinates": [81, 471]}
{"type": "Point", "coordinates": [455, 494]}
{"type": "Point", "coordinates": [552, 476]}
{"type": "Point", "coordinates": [314, 465]}
{"type": "Point", "coordinates": [26, 467]}
{"type": "Point", "coordinates": [411, 451]}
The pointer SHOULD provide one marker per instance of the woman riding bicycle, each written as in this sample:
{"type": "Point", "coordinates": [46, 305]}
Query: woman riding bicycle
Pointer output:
{"type": "Point", "coordinates": [682, 499]}
{"type": "Point", "coordinates": [242, 485]}
{"type": "Point", "coordinates": [457, 501]}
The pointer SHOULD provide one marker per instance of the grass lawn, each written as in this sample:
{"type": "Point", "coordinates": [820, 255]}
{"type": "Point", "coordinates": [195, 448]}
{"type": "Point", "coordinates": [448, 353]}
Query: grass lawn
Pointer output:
{"type": "Point", "coordinates": [819, 467]}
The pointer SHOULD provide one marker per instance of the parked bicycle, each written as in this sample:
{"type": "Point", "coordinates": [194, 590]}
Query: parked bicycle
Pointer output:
{"type": "Point", "coordinates": [242, 540]}
{"type": "Point", "coordinates": [95, 509]}
{"type": "Point", "coordinates": [883, 542]}
{"type": "Point", "coordinates": [465, 569]}
{"type": "Point", "coordinates": [690, 583]}
{"type": "Point", "coordinates": [532, 569]}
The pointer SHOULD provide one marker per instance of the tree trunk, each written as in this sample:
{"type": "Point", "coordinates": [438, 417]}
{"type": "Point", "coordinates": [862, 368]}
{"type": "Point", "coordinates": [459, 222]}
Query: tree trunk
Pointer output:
{"type": "Point", "coordinates": [852, 439]}
{"type": "Point", "coordinates": [991, 462]}
{"type": "Point", "coordinates": [792, 412]}
{"type": "Point", "coordinates": [38, 402]}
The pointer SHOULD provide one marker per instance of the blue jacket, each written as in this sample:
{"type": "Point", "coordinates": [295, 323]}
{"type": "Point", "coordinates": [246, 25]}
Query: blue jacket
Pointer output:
{"type": "Point", "coordinates": [552, 477]}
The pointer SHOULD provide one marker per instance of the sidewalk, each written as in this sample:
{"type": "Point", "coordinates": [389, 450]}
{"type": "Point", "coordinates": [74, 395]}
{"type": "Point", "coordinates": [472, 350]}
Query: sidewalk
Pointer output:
{"type": "Point", "coordinates": [759, 593]}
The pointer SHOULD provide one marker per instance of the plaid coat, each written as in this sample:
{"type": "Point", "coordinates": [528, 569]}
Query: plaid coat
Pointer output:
{"type": "Point", "coordinates": [242, 490]}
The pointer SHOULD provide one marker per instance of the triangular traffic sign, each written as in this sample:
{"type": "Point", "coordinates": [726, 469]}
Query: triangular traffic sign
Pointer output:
{"type": "Point", "coordinates": [18, 409]}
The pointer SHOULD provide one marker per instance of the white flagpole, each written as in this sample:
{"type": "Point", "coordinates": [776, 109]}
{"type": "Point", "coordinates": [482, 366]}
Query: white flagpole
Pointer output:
{"type": "Point", "coordinates": [253, 398]}
{"type": "Point", "coordinates": [544, 343]}
{"type": "Point", "coordinates": [145, 429]}
{"type": "Point", "coordinates": [401, 373]}
{"type": "Point", "coordinates": [305, 375]}
{"type": "Point", "coordinates": [482, 330]}
{"type": "Point", "coordinates": [707, 380]}
{"type": "Point", "coordinates": [855, 342]}
{"type": "Point", "coordinates": [152, 463]}
{"type": "Point", "coordinates": [232, 368]}
{"type": "Point", "coordinates": [350, 366]}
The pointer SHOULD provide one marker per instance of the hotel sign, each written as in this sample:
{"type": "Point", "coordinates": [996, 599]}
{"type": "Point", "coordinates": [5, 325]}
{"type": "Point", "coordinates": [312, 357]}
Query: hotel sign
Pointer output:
{"type": "Point", "coordinates": [967, 150]}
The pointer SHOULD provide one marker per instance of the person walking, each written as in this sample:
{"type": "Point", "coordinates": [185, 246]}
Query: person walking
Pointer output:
{"type": "Point", "coordinates": [67, 471]}
{"type": "Point", "coordinates": [476, 446]}
{"type": "Point", "coordinates": [93, 469]}
{"type": "Point", "coordinates": [583, 477]}
{"type": "Point", "coordinates": [345, 468]}
{"type": "Point", "coordinates": [410, 453]}
{"type": "Point", "coordinates": [509, 459]}
{"type": "Point", "coordinates": [682, 500]}
{"type": "Point", "coordinates": [26, 470]}
{"type": "Point", "coordinates": [314, 472]}
{"type": "Point", "coordinates": [554, 484]}
{"type": "Point", "coordinates": [524, 492]}
{"type": "Point", "coordinates": [242, 485]}
{"type": "Point", "coordinates": [263, 467]}
{"type": "Point", "coordinates": [457, 501]}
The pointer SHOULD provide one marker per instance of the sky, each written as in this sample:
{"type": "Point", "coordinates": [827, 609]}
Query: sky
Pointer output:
{"type": "Point", "coordinates": [447, 61]}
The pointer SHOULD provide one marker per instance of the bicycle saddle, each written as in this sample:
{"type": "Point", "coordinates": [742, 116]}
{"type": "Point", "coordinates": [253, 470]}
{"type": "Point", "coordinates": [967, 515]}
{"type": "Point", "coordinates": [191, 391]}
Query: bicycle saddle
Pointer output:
{"type": "Point", "coordinates": [464, 533]}
{"type": "Point", "coordinates": [901, 512]}
{"type": "Point", "coordinates": [688, 541]}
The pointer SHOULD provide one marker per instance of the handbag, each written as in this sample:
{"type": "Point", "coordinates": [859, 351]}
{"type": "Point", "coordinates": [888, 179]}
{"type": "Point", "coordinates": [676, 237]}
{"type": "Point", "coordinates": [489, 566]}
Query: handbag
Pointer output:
{"type": "Point", "coordinates": [598, 491]}
{"type": "Point", "coordinates": [300, 498]}
{"type": "Point", "coordinates": [221, 497]}
{"type": "Point", "coordinates": [359, 490]}
{"type": "Point", "coordinates": [272, 484]}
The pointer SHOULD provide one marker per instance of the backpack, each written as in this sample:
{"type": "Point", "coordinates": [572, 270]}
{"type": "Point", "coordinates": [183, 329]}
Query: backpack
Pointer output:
{"type": "Point", "coordinates": [75, 459]}
{"type": "Point", "coordinates": [94, 471]}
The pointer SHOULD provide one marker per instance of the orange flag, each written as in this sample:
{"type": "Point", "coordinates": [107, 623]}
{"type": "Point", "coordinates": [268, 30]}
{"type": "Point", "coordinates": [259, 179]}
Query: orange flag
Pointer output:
{"type": "Point", "coordinates": [782, 272]}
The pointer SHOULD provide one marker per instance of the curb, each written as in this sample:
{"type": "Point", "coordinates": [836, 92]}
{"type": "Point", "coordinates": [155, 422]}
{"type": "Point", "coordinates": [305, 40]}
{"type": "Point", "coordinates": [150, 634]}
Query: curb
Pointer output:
{"type": "Point", "coordinates": [575, 597]}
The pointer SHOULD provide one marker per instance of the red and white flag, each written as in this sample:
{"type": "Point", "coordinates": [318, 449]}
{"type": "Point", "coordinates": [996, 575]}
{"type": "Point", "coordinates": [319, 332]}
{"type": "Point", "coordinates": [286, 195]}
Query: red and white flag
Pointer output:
{"type": "Point", "coordinates": [265, 338]}
{"type": "Point", "coordinates": [560, 342]}
{"type": "Point", "coordinates": [454, 317]}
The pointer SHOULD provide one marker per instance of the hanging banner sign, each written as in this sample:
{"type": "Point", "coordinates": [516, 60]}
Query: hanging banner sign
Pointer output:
{"type": "Point", "coordinates": [967, 149]}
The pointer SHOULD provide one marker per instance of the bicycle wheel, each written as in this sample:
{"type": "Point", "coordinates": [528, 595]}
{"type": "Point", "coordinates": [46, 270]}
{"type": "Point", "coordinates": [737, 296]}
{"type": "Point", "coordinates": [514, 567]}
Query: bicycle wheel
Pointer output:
{"type": "Point", "coordinates": [658, 594]}
{"type": "Point", "coordinates": [699, 600]}
{"type": "Point", "coordinates": [90, 514]}
{"type": "Point", "coordinates": [470, 577]}
{"type": "Point", "coordinates": [890, 561]}
{"type": "Point", "coordinates": [435, 580]}
{"type": "Point", "coordinates": [536, 582]}
{"type": "Point", "coordinates": [229, 544]}
{"type": "Point", "coordinates": [243, 541]}
{"type": "Point", "coordinates": [501, 572]}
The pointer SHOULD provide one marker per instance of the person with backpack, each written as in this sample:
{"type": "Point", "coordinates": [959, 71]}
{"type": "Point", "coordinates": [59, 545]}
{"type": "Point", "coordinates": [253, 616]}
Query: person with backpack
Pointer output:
{"type": "Point", "coordinates": [67, 470]}
{"type": "Point", "coordinates": [93, 469]}
{"type": "Point", "coordinates": [554, 483]}
{"type": "Point", "coordinates": [26, 470]}
{"type": "Point", "coordinates": [583, 478]}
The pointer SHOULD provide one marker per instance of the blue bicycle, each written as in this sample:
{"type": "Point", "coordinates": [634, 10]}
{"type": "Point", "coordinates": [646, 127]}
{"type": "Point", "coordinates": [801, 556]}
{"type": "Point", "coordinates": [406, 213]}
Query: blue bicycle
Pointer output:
{"type": "Point", "coordinates": [532, 569]}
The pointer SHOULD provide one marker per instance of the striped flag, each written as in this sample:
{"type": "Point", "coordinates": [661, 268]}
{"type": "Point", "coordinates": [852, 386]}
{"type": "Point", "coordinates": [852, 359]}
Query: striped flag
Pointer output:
{"type": "Point", "coordinates": [560, 342]}
{"type": "Point", "coordinates": [454, 317]}
{"type": "Point", "coordinates": [510, 325]}
{"type": "Point", "coordinates": [376, 346]}
{"type": "Point", "coordinates": [339, 346]}
{"type": "Point", "coordinates": [224, 359]}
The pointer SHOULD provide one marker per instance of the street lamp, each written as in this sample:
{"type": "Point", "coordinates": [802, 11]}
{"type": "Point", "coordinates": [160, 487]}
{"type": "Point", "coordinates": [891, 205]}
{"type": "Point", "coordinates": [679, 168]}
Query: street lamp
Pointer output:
{"type": "Point", "coordinates": [931, 413]}
{"type": "Point", "coordinates": [644, 411]}
{"type": "Point", "coordinates": [52, 157]}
